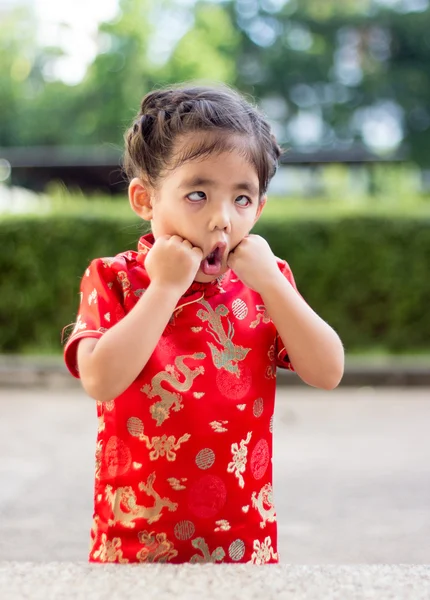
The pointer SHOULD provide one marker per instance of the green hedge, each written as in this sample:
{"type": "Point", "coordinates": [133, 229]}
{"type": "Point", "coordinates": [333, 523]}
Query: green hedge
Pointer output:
{"type": "Point", "coordinates": [368, 277]}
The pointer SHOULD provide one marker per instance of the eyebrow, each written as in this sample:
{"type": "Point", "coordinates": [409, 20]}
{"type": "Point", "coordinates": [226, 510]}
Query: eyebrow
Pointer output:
{"type": "Point", "coordinates": [197, 181]}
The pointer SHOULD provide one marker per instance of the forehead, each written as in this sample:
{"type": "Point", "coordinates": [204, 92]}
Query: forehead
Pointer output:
{"type": "Point", "coordinates": [206, 152]}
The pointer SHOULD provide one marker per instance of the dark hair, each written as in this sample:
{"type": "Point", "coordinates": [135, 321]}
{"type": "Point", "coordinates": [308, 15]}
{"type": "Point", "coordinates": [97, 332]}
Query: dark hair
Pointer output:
{"type": "Point", "coordinates": [168, 113]}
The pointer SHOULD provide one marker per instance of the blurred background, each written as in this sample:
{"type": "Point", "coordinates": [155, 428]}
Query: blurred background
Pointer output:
{"type": "Point", "coordinates": [346, 87]}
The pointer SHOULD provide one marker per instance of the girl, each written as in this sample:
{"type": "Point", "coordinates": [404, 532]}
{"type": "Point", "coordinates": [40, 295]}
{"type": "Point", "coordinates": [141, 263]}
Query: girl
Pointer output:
{"type": "Point", "coordinates": [178, 342]}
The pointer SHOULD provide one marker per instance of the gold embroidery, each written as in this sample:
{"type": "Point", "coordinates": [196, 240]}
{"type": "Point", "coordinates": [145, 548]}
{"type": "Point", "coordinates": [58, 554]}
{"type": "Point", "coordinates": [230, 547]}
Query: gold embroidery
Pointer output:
{"type": "Point", "coordinates": [205, 458]}
{"type": "Point", "coordinates": [160, 446]}
{"type": "Point", "coordinates": [271, 369]}
{"type": "Point", "coordinates": [198, 395]}
{"type": "Point", "coordinates": [101, 423]}
{"type": "Point", "coordinates": [108, 261]}
{"type": "Point", "coordinates": [220, 281]}
{"type": "Point", "coordinates": [137, 465]}
{"type": "Point", "coordinates": [238, 464]}
{"type": "Point", "coordinates": [218, 426]}
{"type": "Point", "coordinates": [263, 552]}
{"type": "Point", "coordinates": [196, 329]}
{"type": "Point", "coordinates": [258, 407]}
{"type": "Point", "coordinates": [176, 484]}
{"type": "Point", "coordinates": [157, 548]}
{"type": "Point", "coordinates": [110, 551]}
{"type": "Point", "coordinates": [164, 446]}
{"type": "Point", "coordinates": [160, 410]}
{"type": "Point", "coordinates": [142, 249]}
{"type": "Point", "coordinates": [200, 544]}
{"type": "Point", "coordinates": [125, 283]}
{"type": "Point", "coordinates": [93, 536]}
{"type": "Point", "coordinates": [135, 426]}
{"type": "Point", "coordinates": [245, 509]}
{"type": "Point", "coordinates": [126, 510]}
{"type": "Point", "coordinates": [184, 530]}
{"type": "Point", "coordinates": [261, 317]}
{"type": "Point", "coordinates": [180, 308]}
{"type": "Point", "coordinates": [223, 525]}
{"type": "Point", "coordinates": [231, 354]}
{"type": "Point", "coordinates": [79, 325]}
{"type": "Point", "coordinates": [98, 458]}
{"type": "Point", "coordinates": [264, 504]}
{"type": "Point", "coordinates": [236, 550]}
{"type": "Point", "coordinates": [271, 352]}
{"type": "Point", "coordinates": [239, 309]}
{"type": "Point", "coordinates": [241, 406]}
{"type": "Point", "coordinates": [92, 297]}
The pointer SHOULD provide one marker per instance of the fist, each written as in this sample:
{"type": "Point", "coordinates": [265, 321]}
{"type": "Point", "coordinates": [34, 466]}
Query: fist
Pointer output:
{"type": "Point", "coordinates": [254, 262]}
{"type": "Point", "coordinates": [173, 262]}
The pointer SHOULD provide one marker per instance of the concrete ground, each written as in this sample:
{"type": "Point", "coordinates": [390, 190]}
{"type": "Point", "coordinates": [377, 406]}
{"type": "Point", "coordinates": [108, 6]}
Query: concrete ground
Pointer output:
{"type": "Point", "coordinates": [352, 475]}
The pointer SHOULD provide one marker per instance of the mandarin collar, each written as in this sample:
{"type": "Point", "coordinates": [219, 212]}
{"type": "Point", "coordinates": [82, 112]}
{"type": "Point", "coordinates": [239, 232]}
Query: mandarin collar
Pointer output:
{"type": "Point", "coordinates": [197, 288]}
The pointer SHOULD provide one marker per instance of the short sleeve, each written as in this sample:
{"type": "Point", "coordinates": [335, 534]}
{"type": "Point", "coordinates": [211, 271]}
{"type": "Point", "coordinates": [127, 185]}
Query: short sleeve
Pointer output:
{"type": "Point", "coordinates": [101, 306]}
{"type": "Point", "coordinates": [282, 358]}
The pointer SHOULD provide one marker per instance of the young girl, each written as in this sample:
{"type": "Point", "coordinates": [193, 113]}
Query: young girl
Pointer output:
{"type": "Point", "coordinates": [178, 342]}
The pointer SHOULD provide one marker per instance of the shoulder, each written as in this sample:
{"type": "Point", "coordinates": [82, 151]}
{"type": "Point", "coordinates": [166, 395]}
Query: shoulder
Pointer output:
{"type": "Point", "coordinates": [285, 269]}
{"type": "Point", "coordinates": [283, 266]}
{"type": "Point", "coordinates": [108, 267]}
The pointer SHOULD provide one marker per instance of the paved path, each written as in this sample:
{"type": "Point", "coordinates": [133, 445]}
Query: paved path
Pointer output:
{"type": "Point", "coordinates": [352, 475]}
{"type": "Point", "coordinates": [84, 581]}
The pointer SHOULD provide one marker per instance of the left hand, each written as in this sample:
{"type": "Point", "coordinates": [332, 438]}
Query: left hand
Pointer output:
{"type": "Point", "coordinates": [254, 262]}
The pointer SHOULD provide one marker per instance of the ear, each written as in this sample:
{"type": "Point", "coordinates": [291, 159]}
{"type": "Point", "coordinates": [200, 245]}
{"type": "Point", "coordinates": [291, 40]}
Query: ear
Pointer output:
{"type": "Point", "coordinates": [140, 198]}
{"type": "Point", "coordinates": [261, 205]}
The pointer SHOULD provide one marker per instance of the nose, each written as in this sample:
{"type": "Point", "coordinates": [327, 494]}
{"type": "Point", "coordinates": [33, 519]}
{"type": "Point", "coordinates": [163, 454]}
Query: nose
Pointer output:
{"type": "Point", "coordinates": [220, 219]}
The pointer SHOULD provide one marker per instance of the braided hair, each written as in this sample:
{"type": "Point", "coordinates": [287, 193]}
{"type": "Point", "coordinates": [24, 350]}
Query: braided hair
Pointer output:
{"type": "Point", "coordinates": [223, 114]}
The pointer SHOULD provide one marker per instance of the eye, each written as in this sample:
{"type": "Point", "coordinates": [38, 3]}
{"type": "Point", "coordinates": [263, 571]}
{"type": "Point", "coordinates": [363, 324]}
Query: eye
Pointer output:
{"type": "Point", "coordinates": [197, 196]}
{"type": "Point", "coordinates": [243, 201]}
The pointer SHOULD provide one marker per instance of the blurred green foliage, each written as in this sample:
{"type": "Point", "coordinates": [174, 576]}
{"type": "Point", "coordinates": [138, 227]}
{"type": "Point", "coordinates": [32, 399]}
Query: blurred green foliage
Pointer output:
{"type": "Point", "coordinates": [365, 275]}
{"type": "Point", "coordinates": [338, 61]}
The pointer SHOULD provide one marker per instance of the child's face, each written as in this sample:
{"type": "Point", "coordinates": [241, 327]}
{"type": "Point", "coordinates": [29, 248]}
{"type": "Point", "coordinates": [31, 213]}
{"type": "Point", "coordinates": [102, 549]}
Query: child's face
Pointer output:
{"type": "Point", "coordinates": [210, 201]}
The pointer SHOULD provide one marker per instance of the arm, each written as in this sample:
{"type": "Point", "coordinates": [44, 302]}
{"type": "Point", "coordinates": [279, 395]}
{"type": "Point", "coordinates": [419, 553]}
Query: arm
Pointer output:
{"type": "Point", "coordinates": [108, 365]}
{"type": "Point", "coordinates": [314, 348]}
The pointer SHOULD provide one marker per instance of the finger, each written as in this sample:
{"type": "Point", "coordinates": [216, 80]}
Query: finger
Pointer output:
{"type": "Point", "coordinates": [187, 243]}
{"type": "Point", "coordinates": [176, 239]}
{"type": "Point", "coordinates": [165, 237]}
{"type": "Point", "coordinates": [198, 251]}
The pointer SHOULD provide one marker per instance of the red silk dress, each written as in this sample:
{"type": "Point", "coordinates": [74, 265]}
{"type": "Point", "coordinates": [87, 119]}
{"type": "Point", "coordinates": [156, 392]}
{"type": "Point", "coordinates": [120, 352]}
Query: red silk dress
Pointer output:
{"type": "Point", "coordinates": [184, 455]}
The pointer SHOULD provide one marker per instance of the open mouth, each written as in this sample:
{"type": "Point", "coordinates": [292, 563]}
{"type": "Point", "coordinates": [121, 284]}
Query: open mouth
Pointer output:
{"type": "Point", "coordinates": [212, 264]}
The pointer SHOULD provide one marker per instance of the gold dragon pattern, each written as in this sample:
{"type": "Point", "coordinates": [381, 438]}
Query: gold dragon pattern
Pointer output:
{"type": "Point", "coordinates": [231, 354]}
{"type": "Point", "coordinates": [263, 502]}
{"type": "Point", "coordinates": [126, 510]}
{"type": "Point", "coordinates": [160, 410]}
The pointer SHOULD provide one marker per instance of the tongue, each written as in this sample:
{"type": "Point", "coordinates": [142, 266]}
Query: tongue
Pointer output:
{"type": "Point", "coordinates": [211, 268]}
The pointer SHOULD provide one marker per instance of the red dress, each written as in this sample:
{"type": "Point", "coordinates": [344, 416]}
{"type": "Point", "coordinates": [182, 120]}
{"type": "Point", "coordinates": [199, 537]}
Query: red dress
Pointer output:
{"type": "Point", "coordinates": [184, 454]}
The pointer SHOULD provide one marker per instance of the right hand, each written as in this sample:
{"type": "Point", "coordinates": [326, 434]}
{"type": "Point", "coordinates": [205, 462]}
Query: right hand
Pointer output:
{"type": "Point", "coordinates": [173, 262]}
